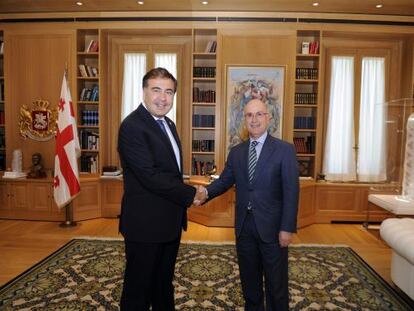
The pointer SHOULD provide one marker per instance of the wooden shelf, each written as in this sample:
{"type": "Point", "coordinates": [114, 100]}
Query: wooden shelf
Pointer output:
{"type": "Point", "coordinates": [91, 54]}
{"type": "Point", "coordinates": [304, 130]}
{"type": "Point", "coordinates": [199, 79]}
{"type": "Point", "coordinates": [305, 106]}
{"type": "Point", "coordinates": [306, 81]}
{"type": "Point", "coordinates": [204, 104]}
{"type": "Point", "coordinates": [203, 128]}
{"type": "Point", "coordinates": [203, 152]}
{"type": "Point", "coordinates": [83, 102]}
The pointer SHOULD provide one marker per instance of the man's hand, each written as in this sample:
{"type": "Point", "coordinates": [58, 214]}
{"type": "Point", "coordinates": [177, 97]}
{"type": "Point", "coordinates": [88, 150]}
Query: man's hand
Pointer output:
{"type": "Point", "coordinates": [285, 238]}
{"type": "Point", "coordinates": [201, 196]}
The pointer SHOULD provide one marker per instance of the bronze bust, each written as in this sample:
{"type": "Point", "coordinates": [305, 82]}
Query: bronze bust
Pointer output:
{"type": "Point", "coordinates": [36, 171]}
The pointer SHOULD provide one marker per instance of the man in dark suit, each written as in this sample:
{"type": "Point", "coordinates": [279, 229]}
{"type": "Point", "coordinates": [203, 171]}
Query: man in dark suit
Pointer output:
{"type": "Point", "coordinates": [265, 172]}
{"type": "Point", "coordinates": [155, 200]}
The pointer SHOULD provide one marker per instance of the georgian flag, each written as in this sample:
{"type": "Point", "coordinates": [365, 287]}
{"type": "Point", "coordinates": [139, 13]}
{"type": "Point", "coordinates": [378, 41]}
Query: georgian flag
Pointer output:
{"type": "Point", "coordinates": [66, 180]}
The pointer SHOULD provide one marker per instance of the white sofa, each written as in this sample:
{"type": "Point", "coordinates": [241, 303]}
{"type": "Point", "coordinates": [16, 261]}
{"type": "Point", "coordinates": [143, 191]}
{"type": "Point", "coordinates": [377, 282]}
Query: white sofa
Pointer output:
{"type": "Point", "coordinates": [398, 233]}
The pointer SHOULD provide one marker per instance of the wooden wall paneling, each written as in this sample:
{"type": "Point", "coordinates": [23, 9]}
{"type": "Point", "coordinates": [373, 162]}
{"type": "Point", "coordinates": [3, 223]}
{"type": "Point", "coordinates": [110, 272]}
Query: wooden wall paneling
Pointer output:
{"type": "Point", "coordinates": [35, 63]}
{"type": "Point", "coordinates": [4, 197]}
{"type": "Point", "coordinates": [111, 197]}
{"type": "Point", "coordinates": [87, 204]}
{"type": "Point", "coordinates": [337, 202]}
{"type": "Point", "coordinates": [218, 212]}
{"type": "Point", "coordinates": [306, 210]}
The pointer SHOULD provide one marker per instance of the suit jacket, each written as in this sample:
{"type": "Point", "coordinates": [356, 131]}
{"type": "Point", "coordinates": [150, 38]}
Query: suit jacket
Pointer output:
{"type": "Point", "coordinates": [155, 200]}
{"type": "Point", "coordinates": [273, 192]}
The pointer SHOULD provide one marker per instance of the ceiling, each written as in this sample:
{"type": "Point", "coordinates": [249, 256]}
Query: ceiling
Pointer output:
{"type": "Point", "coordinates": [390, 7]}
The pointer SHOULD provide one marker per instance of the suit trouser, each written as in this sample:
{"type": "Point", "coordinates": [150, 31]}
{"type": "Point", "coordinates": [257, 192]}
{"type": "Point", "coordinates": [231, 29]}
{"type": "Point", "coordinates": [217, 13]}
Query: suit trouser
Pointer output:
{"type": "Point", "coordinates": [148, 276]}
{"type": "Point", "coordinates": [256, 259]}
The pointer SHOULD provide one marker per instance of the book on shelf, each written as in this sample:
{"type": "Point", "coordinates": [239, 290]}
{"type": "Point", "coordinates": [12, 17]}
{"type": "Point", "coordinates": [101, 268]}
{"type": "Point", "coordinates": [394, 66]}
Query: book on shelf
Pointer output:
{"type": "Point", "coordinates": [93, 46]}
{"type": "Point", "coordinates": [211, 46]}
{"type": "Point", "coordinates": [201, 167]}
{"type": "Point", "coordinates": [314, 47]}
{"type": "Point", "coordinates": [82, 70]}
{"type": "Point", "coordinates": [305, 47]}
{"type": "Point", "coordinates": [300, 144]}
{"type": "Point", "coordinates": [89, 164]}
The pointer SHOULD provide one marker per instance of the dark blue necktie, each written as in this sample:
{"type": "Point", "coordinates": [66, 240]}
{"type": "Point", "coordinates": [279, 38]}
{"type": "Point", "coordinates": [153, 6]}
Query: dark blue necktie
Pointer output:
{"type": "Point", "coordinates": [252, 159]}
{"type": "Point", "coordinates": [162, 126]}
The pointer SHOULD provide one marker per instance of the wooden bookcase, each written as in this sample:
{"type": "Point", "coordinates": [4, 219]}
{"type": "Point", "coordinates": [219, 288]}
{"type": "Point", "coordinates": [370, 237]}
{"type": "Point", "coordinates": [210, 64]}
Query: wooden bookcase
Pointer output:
{"type": "Point", "coordinates": [2, 110]}
{"type": "Point", "coordinates": [87, 99]}
{"type": "Point", "coordinates": [203, 108]}
{"type": "Point", "coordinates": [307, 101]}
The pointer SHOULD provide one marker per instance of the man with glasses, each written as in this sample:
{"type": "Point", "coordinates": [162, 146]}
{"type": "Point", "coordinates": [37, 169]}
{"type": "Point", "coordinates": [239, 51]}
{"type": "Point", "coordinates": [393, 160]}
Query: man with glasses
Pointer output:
{"type": "Point", "coordinates": [265, 172]}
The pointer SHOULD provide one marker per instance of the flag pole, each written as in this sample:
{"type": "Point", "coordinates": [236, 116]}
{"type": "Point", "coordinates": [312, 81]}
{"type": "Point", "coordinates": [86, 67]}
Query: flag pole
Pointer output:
{"type": "Point", "coordinates": [68, 217]}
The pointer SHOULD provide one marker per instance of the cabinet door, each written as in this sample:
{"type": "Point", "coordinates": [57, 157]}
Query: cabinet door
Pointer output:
{"type": "Point", "coordinates": [19, 196]}
{"type": "Point", "coordinates": [39, 195]}
{"type": "Point", "coordinates": [4, 197]}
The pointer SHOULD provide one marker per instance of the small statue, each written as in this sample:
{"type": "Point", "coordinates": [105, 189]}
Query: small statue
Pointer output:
{"type": "Point", "coordinates": [36, 171]}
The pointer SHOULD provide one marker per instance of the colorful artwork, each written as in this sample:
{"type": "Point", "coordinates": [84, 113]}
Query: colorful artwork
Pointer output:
{"type": "Point", "coordinates": [248, 82]}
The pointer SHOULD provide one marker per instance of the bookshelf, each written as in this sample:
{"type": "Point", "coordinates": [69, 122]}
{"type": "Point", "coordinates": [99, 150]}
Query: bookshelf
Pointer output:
{"type": "Point", "coordinates": [203, 108]}
{"type": "Point", "coordinates": [87, 99]}
{"type": "Point", "coordinates": [2, 110]}
{"type": "Point", "coordinates": [306, 100]}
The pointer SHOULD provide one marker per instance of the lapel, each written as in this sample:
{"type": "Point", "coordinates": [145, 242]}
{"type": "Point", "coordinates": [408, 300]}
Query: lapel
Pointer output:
{"type": "Point", "coordinates": [244, 151]}
{"type": "Point", "coordinates": [155, 128]}
{"type": "Point", "coordinates": [173, 129]}
{"type": "Point", "coordinates": [267, 150]}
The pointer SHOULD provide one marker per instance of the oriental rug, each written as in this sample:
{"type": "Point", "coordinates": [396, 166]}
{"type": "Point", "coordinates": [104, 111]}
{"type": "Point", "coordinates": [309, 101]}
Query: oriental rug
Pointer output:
{"type": "Point", "coordinates": [86, 274]}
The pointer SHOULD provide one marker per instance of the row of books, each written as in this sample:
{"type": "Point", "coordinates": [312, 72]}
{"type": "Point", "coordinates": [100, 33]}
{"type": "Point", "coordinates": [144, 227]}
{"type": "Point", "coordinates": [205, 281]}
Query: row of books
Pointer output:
{"type": "Point", "coordinates": [306, 98]}
{"type": "Point", "coordinates": [87, 71]}
{"type": "Point", "coordinates": [307, 73]}
{"type": "Point", "coordinates": [305, 167]}
{"type": "Point", "coordinates": [204, 72]}
{"type": "Point", "coordinates": [310, 47]}
{"type": "Point", "coordinates": [211, 46]}
{"type": "Point", "coordinates": [2, 117]}
{"type": "Point", "coordinates": [2, 140]}
{"type": "Point", "coordinates": [89, 94]}
{"type": "Point", "coordinates": [304, 123]}
{"type": "Point", "coordinates": [88, 140]}
{"type": "Point", "coordinates": [203, 120]}
{"type": "Point", "coordinates": [203, 96]}
{"type": "Point", "coordinates": [201, 167]}
{"type": "Point", "coordinates": [93, 46]}
{"type": "Point", "coordinates": [203, 145]}
{"type": "Point", "coordinates": [90, 117]}
{"type": "Point", "coordinates": [1, 91]}
{"type": "Point", "coordinates": [304, 145]}
{"type": "Point", "coordinates": [89, 164]}
{"type": "Point", "coordinates": [2, 161]}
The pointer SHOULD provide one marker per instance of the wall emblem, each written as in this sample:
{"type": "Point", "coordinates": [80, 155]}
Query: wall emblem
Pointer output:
{"type": "Point", "coordinates": [38, 122]}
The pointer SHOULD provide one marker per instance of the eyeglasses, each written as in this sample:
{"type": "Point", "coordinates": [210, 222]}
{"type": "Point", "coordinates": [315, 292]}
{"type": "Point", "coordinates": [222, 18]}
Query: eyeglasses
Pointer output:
{"type": "Point", "coordinates": [258, 115]}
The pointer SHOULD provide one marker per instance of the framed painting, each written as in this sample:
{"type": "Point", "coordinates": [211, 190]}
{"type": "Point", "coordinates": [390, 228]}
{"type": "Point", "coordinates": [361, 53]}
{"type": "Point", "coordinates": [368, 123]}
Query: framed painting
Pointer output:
{"type": "Point", "coordinates": [243, 83]}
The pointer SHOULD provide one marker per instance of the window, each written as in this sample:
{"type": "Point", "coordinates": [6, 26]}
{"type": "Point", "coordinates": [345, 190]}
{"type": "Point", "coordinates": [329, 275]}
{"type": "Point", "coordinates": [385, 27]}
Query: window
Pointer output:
{"type": "Point", "coordinates": [355, 147]}
{"type": "Point", "coordinates": [135, 67]}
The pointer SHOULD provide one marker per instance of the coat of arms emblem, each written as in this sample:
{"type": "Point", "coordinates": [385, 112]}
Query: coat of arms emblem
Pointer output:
{"type": "Point", "coordinates": [38, 122]}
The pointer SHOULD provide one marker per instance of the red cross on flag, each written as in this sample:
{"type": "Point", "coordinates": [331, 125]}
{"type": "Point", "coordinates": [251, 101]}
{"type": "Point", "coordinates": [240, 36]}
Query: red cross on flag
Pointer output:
{"type": "Point", "coordinates": [66, 180]}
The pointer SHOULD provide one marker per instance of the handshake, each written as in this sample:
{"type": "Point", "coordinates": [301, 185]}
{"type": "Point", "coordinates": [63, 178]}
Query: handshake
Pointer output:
{"type": "Point", "coordinates": [201, 195]}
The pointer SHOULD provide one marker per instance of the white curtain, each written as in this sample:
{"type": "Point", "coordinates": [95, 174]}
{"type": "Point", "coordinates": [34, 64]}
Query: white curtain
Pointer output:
{"type": "Point", "coordinates": [134, 69]}
{"type": "Point", "coordinates": [371, 152]}
{"type": "Point", "coordinates": [169, 62]}
{"type": "Point", "coordinates": [339, 157]}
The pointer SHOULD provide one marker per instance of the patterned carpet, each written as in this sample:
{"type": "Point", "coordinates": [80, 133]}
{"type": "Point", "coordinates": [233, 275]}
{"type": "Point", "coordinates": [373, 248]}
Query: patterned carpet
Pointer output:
{"type": "Point", "coordinates": [87, 275]}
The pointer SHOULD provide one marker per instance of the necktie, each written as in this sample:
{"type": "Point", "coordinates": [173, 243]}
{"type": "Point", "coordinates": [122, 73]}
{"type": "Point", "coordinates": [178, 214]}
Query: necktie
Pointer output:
{"type": "Point", "coordinates": [252, 159]}
{"type": "Point", "coordinates": [162, 126]}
